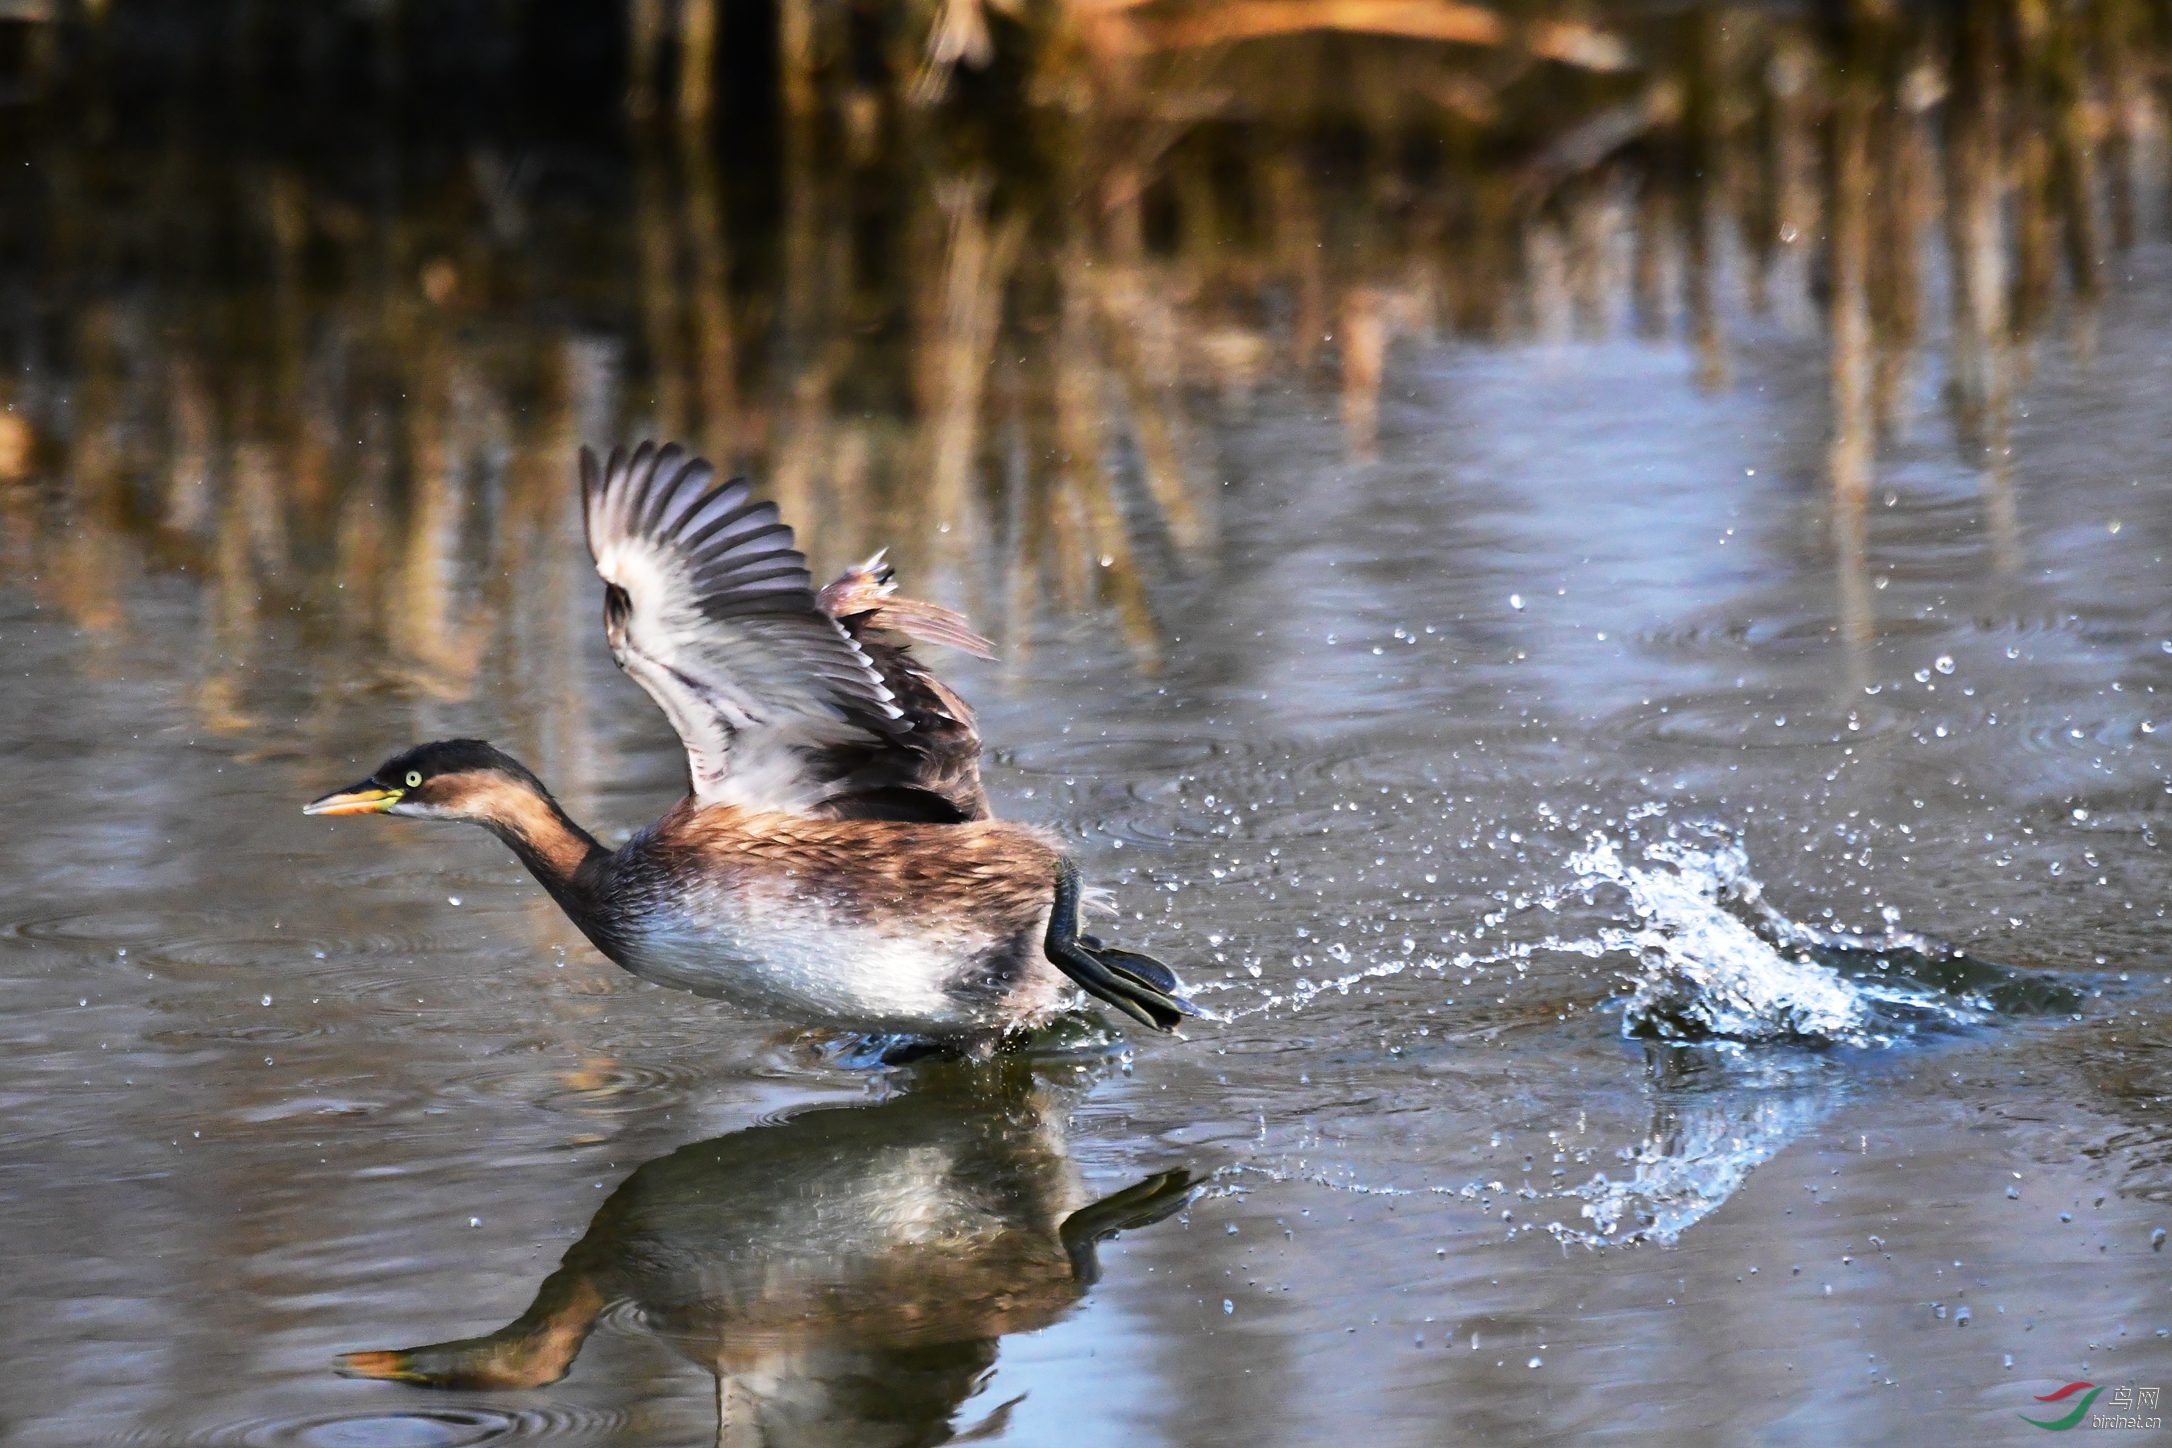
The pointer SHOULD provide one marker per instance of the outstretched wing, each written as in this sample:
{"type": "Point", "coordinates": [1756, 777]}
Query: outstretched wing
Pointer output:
{"type": "Point", "coordinates": [711, 609]}
{"type": "Point", "coordinates": [785, 698]}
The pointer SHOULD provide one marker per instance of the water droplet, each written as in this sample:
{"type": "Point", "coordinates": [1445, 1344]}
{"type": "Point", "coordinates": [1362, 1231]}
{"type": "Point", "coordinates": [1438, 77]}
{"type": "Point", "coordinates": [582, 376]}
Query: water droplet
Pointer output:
{"type": "Point", "coordinates": [1943, 663]}
{"type": "Point", "coordinates": [264, 1000]}
{"type": "Point", "coordinates": [475, 1221]}
{"type": "Point", "coordinates": [1228, 1307]}
{"type": "Point", "coordinates": [452, 899]}
{"type": "Point", "coordinates": [1536, 1362]}
{"type": "Point", "coordinates": [1515, 601]}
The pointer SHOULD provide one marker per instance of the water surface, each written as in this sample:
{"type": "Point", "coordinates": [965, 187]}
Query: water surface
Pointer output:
{"type": "Point", "coordinates": [1535, 733]}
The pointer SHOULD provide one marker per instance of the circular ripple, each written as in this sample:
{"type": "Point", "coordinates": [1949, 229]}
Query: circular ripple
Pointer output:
{"type": "Point", "coordinates": [1738, 641]}
{"type": "Point", "coordinates": [1067, 756]}
{"type": "Point", "coordinates": [415, 1428]}
{"type": "Point", "coordinates": [196, 945]}
{"type": "Point", "coordinates": [320, 953]}
{"type": "Point", "coordinates": [2067, 735]}
{"type": "Point", "coordinates": [130, 928]}
{"type": "Point", "coordinates": [1729, 723]}
{"type": "Point", "coordinates": [258, 1034]}
{"type": "Point", "coordinates": [586, 1088]}
{"type": "Point", "coordinates": [448, 1426]}
{"type": "Point", "coordinates": [1258, 789]}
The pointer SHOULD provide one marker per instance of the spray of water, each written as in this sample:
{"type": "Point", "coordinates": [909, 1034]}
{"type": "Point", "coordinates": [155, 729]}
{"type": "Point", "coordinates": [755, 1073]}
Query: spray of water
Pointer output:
{"type": "Point", "coordinates": [1741, 1007]}
{"type": "Point", "coordinates": [1709, 959]}
{"type": "Point", "coordinates": [1700, 970]}
{"type": "Point", "coordinates": [1712, 959]}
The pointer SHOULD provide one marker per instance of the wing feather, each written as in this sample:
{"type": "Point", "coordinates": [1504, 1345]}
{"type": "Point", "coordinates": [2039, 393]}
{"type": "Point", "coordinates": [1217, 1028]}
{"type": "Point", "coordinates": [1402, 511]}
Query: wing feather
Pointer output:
{"type": "Point", "coordinates": [711, 609]}
{"type": "Point", "coordinates": [939, 776]}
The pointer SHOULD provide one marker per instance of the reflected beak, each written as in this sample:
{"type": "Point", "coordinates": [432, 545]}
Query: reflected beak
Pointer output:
{"type": "Point", "coordinates": [364, 798]}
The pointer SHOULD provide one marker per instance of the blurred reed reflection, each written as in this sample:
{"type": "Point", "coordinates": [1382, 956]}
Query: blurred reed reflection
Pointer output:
{"type": "Point", "coordinates": [988, 290]}
{"type": "Point", "coordinates": [845, 1273]}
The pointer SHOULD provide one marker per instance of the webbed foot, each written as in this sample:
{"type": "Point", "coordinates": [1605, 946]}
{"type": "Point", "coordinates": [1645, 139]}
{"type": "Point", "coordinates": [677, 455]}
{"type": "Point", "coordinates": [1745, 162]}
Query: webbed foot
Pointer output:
{"type": "Point", "coordinates": [1138, 985]}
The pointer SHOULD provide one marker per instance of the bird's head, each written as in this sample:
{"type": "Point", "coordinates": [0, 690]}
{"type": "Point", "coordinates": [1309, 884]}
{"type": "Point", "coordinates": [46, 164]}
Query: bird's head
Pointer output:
{"type": "Point", "coordinates": [452, 779]}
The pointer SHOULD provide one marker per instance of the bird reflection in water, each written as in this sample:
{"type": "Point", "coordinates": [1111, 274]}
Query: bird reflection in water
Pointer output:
{"type": "Point", "coordinates": [845, 1273]}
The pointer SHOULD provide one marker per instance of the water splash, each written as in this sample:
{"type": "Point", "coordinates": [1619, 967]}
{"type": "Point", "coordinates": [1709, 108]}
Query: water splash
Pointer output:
{"type": "Point", "coordinates": [1703, 972]}
{"type": "Point", "coordinates": [1716, 961]}
{"type": "Point", "coordinates": [1705, 956]}
{"type": "Point", "coordinates": [1739, 1006]}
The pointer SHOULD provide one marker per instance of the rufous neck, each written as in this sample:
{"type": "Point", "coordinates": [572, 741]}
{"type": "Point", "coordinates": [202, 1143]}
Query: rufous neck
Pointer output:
{"type": "Point", "coordinates": [536, 829]}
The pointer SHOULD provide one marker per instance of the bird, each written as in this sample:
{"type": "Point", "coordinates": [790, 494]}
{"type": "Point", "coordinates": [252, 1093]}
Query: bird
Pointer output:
{"type": "Point", "coordinates": [835, 861]}
{"type": "Point", "coordinates": [847, 1272]}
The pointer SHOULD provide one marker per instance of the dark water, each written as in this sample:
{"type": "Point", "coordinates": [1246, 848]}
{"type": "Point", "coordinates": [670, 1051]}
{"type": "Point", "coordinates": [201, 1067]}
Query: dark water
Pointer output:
{"type": "Point", "coordinates": [1534, 731]}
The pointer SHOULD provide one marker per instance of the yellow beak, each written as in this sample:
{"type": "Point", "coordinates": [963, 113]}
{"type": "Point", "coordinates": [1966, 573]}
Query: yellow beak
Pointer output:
{"type": "Point", "coordinates": [355, 800]}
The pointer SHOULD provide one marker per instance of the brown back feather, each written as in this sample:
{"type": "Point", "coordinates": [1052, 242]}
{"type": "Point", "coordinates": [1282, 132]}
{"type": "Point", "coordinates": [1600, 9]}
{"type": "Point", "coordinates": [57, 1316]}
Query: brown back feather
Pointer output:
{"type": "Point", "coordinates": [991, 871]}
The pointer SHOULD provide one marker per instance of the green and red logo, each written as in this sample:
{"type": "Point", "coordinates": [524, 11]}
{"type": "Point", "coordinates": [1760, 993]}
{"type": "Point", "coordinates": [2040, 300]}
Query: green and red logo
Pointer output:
{"type": "Point", "coordinates": [2089, 1393]}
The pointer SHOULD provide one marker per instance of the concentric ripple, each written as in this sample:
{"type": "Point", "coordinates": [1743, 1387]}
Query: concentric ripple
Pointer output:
{"type": "Point", "coordinates": [422, 1426]}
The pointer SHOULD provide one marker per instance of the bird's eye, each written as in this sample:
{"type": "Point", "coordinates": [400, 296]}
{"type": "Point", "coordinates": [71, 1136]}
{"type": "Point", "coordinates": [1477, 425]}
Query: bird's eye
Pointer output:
{"type": "Point", "coordinates": [414, 779]}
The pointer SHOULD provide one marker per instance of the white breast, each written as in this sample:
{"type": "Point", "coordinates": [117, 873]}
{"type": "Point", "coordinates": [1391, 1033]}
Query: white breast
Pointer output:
{"type": "Point", "coordinates": [786, 954]}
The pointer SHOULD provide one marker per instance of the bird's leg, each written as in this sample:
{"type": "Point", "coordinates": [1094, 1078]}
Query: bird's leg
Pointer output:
{"type": "Point", "coordinates": [1138, 985]}
{"type": "Point", "coordinates": [1139, 1205]}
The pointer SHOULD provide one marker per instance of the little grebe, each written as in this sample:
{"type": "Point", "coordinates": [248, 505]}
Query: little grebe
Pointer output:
{"type": "Point", "coordinates": [834, 861]}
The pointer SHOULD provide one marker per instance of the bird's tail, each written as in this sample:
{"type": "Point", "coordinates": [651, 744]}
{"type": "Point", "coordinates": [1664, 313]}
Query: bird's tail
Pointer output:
{"type": "Point", "coordinates": [866, 594]}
